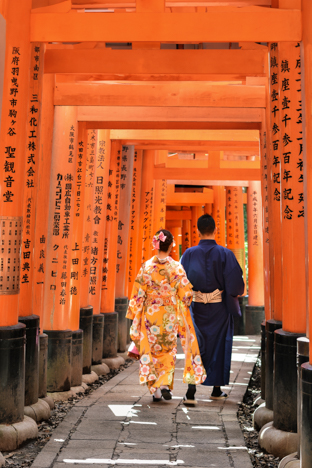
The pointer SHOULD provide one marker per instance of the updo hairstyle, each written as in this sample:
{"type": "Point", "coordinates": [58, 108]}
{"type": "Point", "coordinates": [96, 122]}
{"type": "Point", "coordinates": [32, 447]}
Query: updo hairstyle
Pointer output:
{"type": "Point", "coordinates": [164, 246]}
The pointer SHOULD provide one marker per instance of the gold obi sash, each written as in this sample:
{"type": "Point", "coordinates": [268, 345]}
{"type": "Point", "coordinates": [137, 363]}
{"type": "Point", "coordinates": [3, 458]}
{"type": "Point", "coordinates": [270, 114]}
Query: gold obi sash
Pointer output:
{"type": "Point", "coordinates": [207, 298]}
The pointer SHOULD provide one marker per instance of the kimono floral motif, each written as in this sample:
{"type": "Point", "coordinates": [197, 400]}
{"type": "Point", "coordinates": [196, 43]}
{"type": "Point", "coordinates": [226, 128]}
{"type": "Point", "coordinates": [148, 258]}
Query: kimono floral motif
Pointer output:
{"type": "Point", "coordinates": [159, 308]}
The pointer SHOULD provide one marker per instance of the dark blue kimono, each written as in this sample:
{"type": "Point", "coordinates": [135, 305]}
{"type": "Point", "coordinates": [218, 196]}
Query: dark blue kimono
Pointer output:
{"type": "Point", "coordinates": [208, 267]}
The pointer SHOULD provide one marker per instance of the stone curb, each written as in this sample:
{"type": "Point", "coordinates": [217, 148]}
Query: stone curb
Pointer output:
{"type": "Point", "coordinates": [64, 396]}
{"type": "Point", "coordinates": [100, 369]}
{"type": "Point", "coordinates": [38, 411]}
{"type": "Point", "coordinates": [114, 363]}
{"type": "Point", "coordinates": [13, 435]}
{"type": "Point", "coordinates": [291, 461]}
{"type": "Point", "coordinates": [2, 460]}
{"type": "Point", "coordinates": [90, 378]}
{"type": "Point", "coordinates": [278, 443]}
{"type": "Point", "coordinates": [261, 416]}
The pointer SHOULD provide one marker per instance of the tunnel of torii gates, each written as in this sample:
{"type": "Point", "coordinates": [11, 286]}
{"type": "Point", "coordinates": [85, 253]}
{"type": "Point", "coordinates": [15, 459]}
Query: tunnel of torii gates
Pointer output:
{"type": "Point", "coordinates": [120, 118]}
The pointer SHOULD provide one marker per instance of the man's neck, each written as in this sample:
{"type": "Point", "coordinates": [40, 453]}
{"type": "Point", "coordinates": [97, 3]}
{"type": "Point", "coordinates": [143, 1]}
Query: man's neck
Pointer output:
{"type": "Point", "coordinates": [212, 237]}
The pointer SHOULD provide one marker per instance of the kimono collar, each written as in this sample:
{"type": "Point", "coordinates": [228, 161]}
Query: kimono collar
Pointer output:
{"type": "Point", "coordinates": [155, 259]}
{"type": "Point", "coordinates": [208, 241]}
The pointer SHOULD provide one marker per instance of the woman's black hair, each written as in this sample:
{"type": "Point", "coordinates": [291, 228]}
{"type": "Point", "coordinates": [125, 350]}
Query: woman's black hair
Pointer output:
{"type": "Point", "coordinates": [164, 245]}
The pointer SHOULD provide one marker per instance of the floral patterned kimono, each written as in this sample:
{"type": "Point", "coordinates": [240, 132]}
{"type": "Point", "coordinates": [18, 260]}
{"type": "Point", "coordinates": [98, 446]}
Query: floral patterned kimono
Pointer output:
{"type": "Point", "coordinates": [159, 308]}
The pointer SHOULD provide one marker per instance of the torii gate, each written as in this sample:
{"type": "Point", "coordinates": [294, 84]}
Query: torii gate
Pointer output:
{"type": "Point", "coordinates": [227, 90]}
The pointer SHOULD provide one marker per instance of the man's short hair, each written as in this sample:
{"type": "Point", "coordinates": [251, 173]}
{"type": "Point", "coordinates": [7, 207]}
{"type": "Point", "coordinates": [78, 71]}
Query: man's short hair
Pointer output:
{"type": "Point", "coordinates": [206, 225]}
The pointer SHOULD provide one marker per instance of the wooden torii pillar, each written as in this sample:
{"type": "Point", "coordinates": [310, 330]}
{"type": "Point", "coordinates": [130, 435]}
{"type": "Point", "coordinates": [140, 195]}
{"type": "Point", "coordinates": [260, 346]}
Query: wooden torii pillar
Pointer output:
{"type": "Point", "coordinates": [58, 324]}
{"type": "Point", "coordinates": [121, 300]}
{"type": "Point", "coordinates": [305, 375]}
{"type": "Point", "coordinates": [13, 161]}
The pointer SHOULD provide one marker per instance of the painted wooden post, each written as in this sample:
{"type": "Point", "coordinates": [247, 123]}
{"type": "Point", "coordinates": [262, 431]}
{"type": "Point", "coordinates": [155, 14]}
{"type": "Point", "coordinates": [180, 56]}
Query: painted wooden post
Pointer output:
{"type": "Point", "coordinates": [176, 232]}
{"type": "Point", "coordinates": [147, 191]}
{"type": "Point", "coordinates": [160, 204]}
{"type": "Point", "coordinates": [99, 202]}
{"type": "Point", "coordinates": [235, 224]}
{"type": "Point", "coordinates": [76, 258]}
{"type": "Point", "coordinates": [110, 342]}
{"type": "Point", "coordinates": [255, 245]}
{"type": "Point", "coordinates": [218, 213]}
{"type": "Point", "coordinates": [292, 240]}
{"type": "Point", "coordinates": [306, 369]}
{"type": "Point", "coordinates": [197, 211]}
{"type": "Point", "coordinates": [56, 322]}
{"type": "Point", "coordinates": [13, 161]}
{"type": "Point", "coordinates": [186, 235]}
{"type": "Point", "coordinates": [42, 220]}
{"type": "Point", "coordinates": [274, 168]}
{"type": "Point", "coordinates": [135, 241]}
{"type": "Point", "coordinates": [121, 301]}
{"type": "Point", "coordinates": [86, 310]}
{"type": "Point", "coordinates": [27, 316]}
{"type": "Point", "coordinates": [265, 222]}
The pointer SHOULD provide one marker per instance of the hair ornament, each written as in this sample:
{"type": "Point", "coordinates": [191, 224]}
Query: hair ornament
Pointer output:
{"type": "Point", "coordinates": [157, 238]}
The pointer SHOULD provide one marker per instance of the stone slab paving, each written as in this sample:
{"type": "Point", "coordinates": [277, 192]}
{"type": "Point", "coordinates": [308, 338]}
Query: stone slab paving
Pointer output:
{"type": "Point", "coordinates": [119, 425]}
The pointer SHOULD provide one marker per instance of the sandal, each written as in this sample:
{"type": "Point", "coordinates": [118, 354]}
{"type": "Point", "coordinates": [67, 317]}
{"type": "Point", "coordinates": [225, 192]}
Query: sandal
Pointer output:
{"type": "Point", "coordinates": [166, 393]}
{"type": "Point", "coordinates": [222, 396]}
{"type": "Point", "coordinates": [189, 398]}
{"type": "Point", "coordinates": [155, 399]}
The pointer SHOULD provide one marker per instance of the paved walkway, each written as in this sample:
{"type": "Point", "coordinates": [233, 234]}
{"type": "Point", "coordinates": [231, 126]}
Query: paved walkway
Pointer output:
{"type": "Point", "coordinates": [119, 425]}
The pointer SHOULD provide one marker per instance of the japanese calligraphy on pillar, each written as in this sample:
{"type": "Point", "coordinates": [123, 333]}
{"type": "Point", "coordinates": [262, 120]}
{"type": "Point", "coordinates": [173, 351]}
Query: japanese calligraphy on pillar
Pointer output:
{"type": "Point", "coordinates": [291, 124]}
{"type": "Point", "coordinates": [147, 196]}
{"type": "Point", "coordinates": [121, 241]}
{"type": "Point", "coordinates": [134, 215]}
{"type": "Point", "coordinates": [124, 235]}
{"type": "Point", "coordinates": [275, 78]}
{"type": "Point", "coordinates": [98, 221]}
{"type": "Point", "coordinates": [11, 233]}
{"type": "Point", "coordinates": [89, 188]}
{"type": "Point", "coordinates": [235, 226]}
{"type": "Point", "coordinates": [256, 215]}
{"type": "Point", "coordinates": [265, 191]}
{"type": "Point", "coordinates": [111, 213]}
{"type": "Point", "coordinates": [163, 195]}
{"type": "Point", "coordinates": [78, 222]}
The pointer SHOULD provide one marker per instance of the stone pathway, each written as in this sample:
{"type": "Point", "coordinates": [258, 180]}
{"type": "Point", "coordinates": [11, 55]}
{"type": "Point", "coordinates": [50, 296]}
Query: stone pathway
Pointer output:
{"type": "Point", "coordinates": [119, 425]}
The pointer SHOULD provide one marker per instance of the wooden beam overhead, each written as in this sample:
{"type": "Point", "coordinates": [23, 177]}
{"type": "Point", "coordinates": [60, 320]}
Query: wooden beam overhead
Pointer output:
{"type": "Point", "coordinates": [148, 94]}
{"type": "Point", "coordinates": [169, 114]}
{"type": "Point", "coordinates": [231, 136]}
{"type": "Point", "coordinates": [219, 24]}
{"type": "Point", "coordinates": [237, 148]}
{"type": "Point", "coordinates": [157, 62]}
{"type": "Point", "coordinates": [206, 174]}
{"type": "Point", "coordinates": [168, 3]}
{"type": "Point", "coordinates": [173, 125]}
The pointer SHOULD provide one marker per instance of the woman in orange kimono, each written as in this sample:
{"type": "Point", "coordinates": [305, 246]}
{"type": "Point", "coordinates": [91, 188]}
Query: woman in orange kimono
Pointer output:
{"type": "Point", "coordinates": [159, 308]}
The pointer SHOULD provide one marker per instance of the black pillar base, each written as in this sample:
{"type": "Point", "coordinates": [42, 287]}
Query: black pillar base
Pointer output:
{"type": "Point", "coordinates": [43, 365]}
{"type": "Point", "coordinates": [285, 381]}
{"type": "Point", "coordinates": [239, 322]}
{"type": "Point", "coordinates": [254, 316]}
{"type": "Point", "coordinates": [86, 324]}
{"type": "Point", "coordinates": [270, 327]}
{"type": "Point", "coordinates": [98, 336]}
{"type": "Point", "coordinates": [302, 358]}
{"type": "Point", "coordinates": [121, 306]}
{"type": "Point", "coordinates": [263, 360]}
{"type": "Point", "coordinates": [32, 358]}
{"type": "Point", "coordinates": [59, 360]}
{"type": "Point", "coordinates": [76, 363]}
{"type": "Point", "coordinates": [110, 341]}
{"type": "Point", "coordinates": [306, 419]}
{"type": "Point", "coordinates": [12, 373]}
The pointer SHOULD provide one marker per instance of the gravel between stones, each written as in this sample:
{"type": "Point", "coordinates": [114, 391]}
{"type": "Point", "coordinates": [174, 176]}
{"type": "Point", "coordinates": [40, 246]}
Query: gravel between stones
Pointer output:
{"type": "Point", "coordinates": [244, 414]}
{"type": "Point", "coordinates": [25, 455]}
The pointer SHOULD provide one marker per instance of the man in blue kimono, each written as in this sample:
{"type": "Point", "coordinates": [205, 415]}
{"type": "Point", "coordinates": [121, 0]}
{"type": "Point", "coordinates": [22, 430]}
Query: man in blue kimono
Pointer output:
{"type": "Point", "coordinates": [217, 280]}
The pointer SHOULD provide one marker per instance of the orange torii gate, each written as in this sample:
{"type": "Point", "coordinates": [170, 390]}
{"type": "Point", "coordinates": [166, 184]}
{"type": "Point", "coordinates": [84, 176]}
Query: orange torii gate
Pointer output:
{"type": "Point", "coordinates": [236, 103]}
